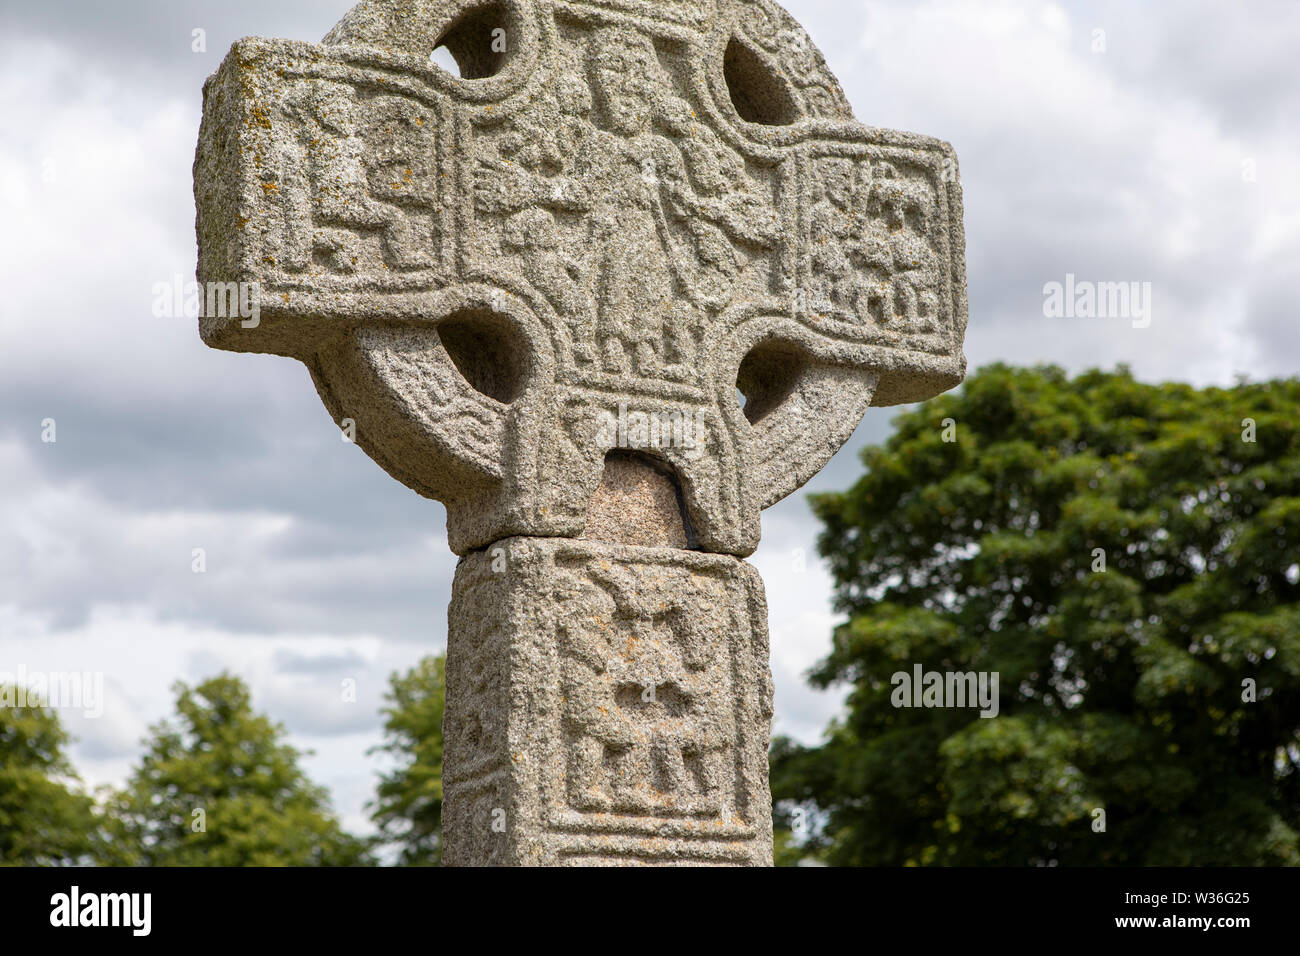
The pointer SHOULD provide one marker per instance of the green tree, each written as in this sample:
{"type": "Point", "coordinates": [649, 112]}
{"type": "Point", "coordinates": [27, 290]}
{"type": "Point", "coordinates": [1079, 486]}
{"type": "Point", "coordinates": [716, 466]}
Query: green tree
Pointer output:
{"type": "Point", "coordinates": [408, 808]}
{"type": "Point", "coordinates": [1126, 557]}
{"type": "Point", "coordinates": [219, 787]}
{"type": "Point", "coordinates": [45, 819]}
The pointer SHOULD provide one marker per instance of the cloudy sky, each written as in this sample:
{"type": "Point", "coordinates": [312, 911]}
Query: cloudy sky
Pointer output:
{"type": "Point", "coordinates": [1114, 141]}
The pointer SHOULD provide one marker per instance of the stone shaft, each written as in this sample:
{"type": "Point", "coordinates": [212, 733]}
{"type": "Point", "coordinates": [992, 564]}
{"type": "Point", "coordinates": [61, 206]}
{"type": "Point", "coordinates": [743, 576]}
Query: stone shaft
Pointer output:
{"type": "Point", "coordinates": [606, 705]}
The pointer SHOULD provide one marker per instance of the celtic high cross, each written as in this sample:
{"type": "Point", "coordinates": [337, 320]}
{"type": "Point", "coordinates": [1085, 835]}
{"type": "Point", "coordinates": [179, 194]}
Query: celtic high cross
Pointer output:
{"type": "Point", "coordinates": [630, 278]}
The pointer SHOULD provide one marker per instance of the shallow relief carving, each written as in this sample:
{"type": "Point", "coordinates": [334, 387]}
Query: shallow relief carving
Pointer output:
{"type": "Point", "coordinates": [628, 721]}
{"type": "Point", "coordinates": [620, 214]}
{"type": "Point", "coordinates": [639, 197]}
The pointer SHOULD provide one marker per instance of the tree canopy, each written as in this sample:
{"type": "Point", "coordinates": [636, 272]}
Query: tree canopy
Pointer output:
{"type": "Point", "coordinates": [1126, 558]}
{"type": "Point", "coordinates": [408, 807]}
{"type": "Point", "coordinates": [219, 787]}
{"type": "Point", "coordinates": [45, 818]}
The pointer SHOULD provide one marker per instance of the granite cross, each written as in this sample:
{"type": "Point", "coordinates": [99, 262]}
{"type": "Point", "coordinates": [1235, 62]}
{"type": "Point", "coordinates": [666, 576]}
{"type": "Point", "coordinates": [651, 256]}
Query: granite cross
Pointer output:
{"type": "Point", "coordinates": [630, 278]}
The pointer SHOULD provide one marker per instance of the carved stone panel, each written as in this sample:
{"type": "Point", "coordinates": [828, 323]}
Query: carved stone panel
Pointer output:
{"type": "Point", "coordinates": [606, 705]}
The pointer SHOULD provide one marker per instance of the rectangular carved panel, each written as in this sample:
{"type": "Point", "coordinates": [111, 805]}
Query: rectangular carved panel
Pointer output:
{"type": "Point", "coordinates": [606, 705]}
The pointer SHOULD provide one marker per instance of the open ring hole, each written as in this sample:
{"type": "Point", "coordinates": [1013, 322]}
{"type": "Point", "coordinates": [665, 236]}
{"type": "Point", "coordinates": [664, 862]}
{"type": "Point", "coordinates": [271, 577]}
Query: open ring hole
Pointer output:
{"type": "Point", "coordinates": [758, 93]}
{"type": "Point", "coordinates": [477, 44]}
{"type": "Point", "coordinates": [488, 350]}
{"type": "Point", "coordinates": [768, 375]}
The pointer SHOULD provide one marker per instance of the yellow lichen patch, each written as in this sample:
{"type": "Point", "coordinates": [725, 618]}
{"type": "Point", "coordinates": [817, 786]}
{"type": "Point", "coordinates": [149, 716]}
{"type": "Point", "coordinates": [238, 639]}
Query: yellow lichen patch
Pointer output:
{"type": "Point", "coordinates": [269, 188]}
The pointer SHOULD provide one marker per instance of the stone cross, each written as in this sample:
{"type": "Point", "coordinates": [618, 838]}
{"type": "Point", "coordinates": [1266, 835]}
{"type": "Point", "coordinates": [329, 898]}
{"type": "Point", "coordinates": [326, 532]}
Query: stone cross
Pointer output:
{"type": "Point", "coordinates": [630, 278]}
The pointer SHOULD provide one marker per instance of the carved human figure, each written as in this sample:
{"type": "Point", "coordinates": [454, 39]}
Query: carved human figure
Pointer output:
{"type": "Point", "coordinates": [899, 251]}
{"type": "Point", "coordinates": [636, 288]}
{"type": "Point", "coordinates": [834, 289]}
{"type": "Point", "coordinates": [532, 235]}
{"type": "Point", "coordinates": [401, 168]}
{"type": "Point", "coordinates": [659, 170]}
{"type": "Point", "coordinates": [672, 209]}
{"type": "Point", "coordinates": [541, 168]}
{"type": "Point", "coordinates": [718, 206]}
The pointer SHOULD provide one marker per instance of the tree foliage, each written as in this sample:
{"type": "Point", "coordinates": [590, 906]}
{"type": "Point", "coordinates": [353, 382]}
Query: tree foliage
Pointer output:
{"type": "Point", "coordinates": [1125, 685]}
{"type": "Point", "coordinates": [219, 787]}
{"type": "Point", "coordinates": [408, 808]}
{"type": "Point", "coordinates": [45, 819]}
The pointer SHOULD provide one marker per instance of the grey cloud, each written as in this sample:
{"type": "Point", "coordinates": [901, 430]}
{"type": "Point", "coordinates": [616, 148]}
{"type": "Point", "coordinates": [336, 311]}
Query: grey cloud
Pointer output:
{"type": "Point", "coordinates": [290, 662]}
{"type": "Point", "coordinates": [146, 38]}
{"type": "Point", "coordinates": [316, 708]}
{"type": "Point", "coordinates": [1237, 60]}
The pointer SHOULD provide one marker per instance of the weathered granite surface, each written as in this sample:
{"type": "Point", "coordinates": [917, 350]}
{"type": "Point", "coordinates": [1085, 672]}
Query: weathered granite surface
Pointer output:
{"type": "Point", "coordinates": [536, 292]}
{"type": "Point", "coordinates": [640, 203]}
{"type": "Point", "coordinates": [606, 704]}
